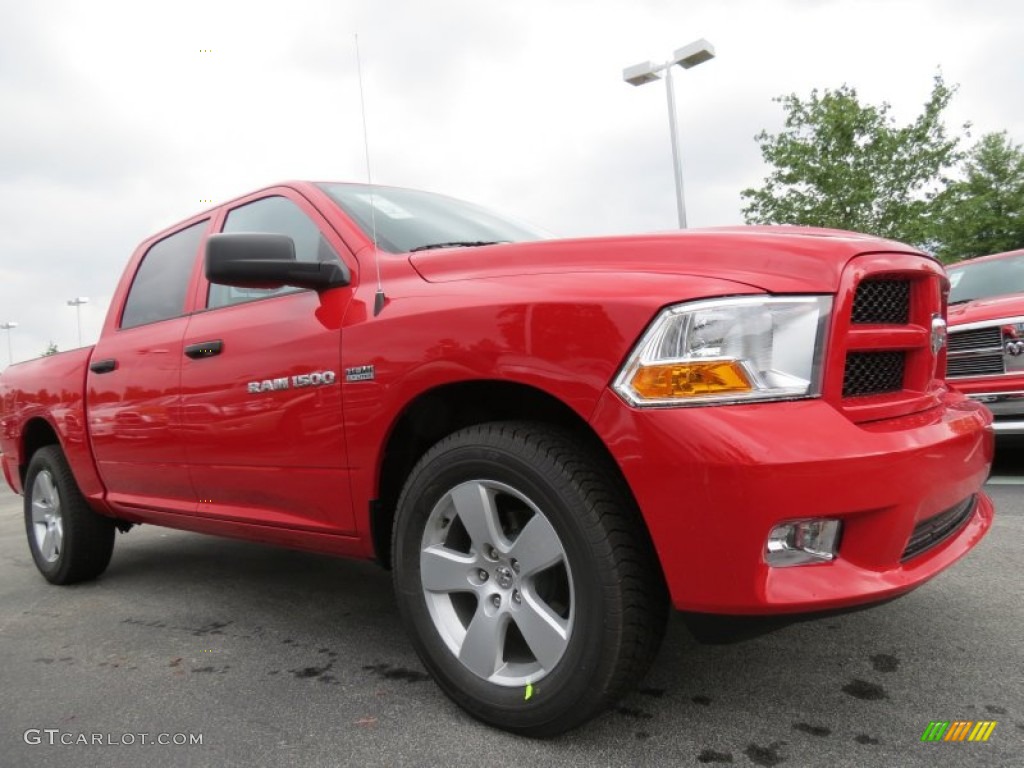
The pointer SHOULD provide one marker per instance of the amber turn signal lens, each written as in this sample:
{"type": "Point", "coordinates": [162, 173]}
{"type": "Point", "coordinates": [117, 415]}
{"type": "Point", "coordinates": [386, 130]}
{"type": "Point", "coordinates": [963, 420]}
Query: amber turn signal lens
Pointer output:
{"type": "Point", "coordinates": [664, 380]}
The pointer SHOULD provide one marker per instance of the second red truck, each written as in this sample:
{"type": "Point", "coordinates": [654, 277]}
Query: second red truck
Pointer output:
{"type": "Point", "coordinates": [986, 336]}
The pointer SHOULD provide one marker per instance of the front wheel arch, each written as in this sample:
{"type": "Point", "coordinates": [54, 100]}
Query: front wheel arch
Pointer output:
{"type": "Point", "coordinates": [437, 413]}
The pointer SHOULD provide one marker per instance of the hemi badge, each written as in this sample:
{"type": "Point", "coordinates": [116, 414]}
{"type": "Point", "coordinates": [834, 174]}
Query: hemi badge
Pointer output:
{"type": "Point", "coordinates": [360, 373]}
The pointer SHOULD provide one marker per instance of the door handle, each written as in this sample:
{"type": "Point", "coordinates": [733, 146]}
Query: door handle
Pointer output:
{"type": "Point", "coordinates": [204, 349]}
{"type": "Point", "coordinates": [103, 366]}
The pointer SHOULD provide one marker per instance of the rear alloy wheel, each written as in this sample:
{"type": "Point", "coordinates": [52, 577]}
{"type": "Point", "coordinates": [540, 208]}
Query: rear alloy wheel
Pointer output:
{"type": "Point", "coordinates": [69, 542]}
{"type": "Point", "coordinates": [525, 577]}
{"type": "Point", "coordinates": [47, 519]}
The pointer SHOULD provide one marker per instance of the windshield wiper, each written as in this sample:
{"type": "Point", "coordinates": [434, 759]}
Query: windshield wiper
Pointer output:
{"type": "Point", "coordinates": [456, 244]}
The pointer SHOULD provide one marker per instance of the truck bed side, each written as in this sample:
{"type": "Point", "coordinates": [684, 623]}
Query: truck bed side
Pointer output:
{"type": "Point", "coordinates": [42, 402]}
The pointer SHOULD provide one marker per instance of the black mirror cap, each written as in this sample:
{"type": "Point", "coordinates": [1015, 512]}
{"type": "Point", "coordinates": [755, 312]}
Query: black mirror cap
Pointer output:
{"type": "Point", "coordinates": [263, 260]}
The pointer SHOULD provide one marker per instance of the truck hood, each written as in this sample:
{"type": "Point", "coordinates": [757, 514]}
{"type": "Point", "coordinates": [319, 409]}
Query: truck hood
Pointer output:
{"type": "Point", "coordinates": [774, 259]}
{"type": "Point", "coordinates": [980, 310]}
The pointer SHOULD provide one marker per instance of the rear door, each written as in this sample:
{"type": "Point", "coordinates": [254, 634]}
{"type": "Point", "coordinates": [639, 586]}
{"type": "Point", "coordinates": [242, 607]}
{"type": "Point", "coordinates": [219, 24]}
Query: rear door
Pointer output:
{"type": "Point", "coordinates": [261, 385]}
{"type": "Point", "coordinates": [132, 397]}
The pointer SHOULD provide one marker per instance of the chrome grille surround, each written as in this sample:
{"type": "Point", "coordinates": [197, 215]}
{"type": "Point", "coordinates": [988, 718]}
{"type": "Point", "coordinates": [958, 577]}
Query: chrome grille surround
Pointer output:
{"type": "Point", "coordinates": [986, 348]}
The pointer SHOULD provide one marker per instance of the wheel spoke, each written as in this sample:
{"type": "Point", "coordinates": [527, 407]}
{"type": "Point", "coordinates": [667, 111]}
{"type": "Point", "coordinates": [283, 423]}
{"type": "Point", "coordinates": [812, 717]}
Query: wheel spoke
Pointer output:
{"type": "Point", "coordinates": [537, 547]}
{"type": "Point", "coordinates": [474, 504]}
{"type": "Point", "coordinates": [44, 487]}
{"type": "Point", "coordinates": [545, 633]}
{"type": "Point", "coordinates": [48, 547]}
{"type": "Point", "coordinates": [484, 644]}
{"type": "Point", "coordinates": [444, 570]}
{"type": "Point", "coordinates": [40, 511]}
{"type": "Point", "coordinates": [58, 535]}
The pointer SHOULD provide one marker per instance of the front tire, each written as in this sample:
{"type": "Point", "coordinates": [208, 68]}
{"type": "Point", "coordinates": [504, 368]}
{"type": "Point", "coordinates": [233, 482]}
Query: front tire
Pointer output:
{"type": "Point", "coordinates": [69, 542]}
{"type": "Point", "coordinates": [525, 577]}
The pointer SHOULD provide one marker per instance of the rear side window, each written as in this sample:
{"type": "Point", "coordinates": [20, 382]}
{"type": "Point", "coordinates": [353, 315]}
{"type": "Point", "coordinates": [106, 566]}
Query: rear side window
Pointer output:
{"type": "Point", "coordinates": [278, 216]}
{"type": "Point", "coordinates": [161, 282]}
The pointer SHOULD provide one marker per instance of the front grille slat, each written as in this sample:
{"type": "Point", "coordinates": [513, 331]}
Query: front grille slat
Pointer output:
{"type": "Point", "coordinates": [884, 301]}
{"type": "Point", "coordinates": [978, 365]}
{"type": "Point", "coordinates": [933, 531]}
{"type": "Point", "coordinates": [976, 339]}
{"type": "Point", "coordinates": [873, 373]}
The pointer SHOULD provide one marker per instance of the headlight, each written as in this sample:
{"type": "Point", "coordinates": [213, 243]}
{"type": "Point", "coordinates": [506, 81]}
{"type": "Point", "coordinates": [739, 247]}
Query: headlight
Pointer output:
{"type": "Point", "coordinates": [729, 351]}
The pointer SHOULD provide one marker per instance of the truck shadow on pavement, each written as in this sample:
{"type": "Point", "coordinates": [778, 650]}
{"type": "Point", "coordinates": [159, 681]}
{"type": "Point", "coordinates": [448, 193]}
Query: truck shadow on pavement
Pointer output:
{"type": "Point", "coordinates": [235, 611]}
{"type": "Point", "coordinates": [193, 615]}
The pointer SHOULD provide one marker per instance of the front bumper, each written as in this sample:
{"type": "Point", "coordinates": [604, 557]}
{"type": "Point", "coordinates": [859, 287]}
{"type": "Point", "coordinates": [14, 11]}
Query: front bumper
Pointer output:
{"type": "Point", "coordinates": [712, 482]}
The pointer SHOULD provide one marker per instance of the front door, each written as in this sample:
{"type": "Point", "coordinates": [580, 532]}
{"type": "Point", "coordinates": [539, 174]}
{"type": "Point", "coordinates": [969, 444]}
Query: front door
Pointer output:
{"type": "Point", "coordinates": [261, 387]}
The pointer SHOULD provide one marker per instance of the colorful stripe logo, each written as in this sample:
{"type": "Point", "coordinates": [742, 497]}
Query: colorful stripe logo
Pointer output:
{"type": "Point", "coordinates": [959, 730]}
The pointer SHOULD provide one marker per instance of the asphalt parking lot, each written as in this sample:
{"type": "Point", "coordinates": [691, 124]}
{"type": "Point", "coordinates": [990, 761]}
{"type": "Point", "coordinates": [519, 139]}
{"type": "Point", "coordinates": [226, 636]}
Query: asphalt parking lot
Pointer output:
{"type": "Point", "coordinates": [282, 658]}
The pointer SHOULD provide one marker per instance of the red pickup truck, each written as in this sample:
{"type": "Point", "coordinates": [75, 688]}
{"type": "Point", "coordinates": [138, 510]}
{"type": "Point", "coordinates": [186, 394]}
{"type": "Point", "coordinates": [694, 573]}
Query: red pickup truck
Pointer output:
{"type": "Point", "coordinates": [548, 441]}
{"type": "Point", "coordinates": [986, 335]}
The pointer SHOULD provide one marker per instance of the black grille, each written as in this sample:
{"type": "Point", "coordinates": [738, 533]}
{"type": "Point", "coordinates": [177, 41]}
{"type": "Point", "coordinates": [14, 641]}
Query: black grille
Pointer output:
{"type": "Point", "coordinates": [873, 373]}
{"type": "Point", "coordinates": [977, 365]}
{"type": "Point", "coordinates": [937, 529]}
{"type": "Point", "coordinates": [882, 301]}
{"type": "Point", "coordinates": [979, 338]}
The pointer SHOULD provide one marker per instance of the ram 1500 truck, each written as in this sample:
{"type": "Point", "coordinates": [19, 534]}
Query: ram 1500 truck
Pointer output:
{"type": "Point", "coordinates": [548, 441]}
{"type": "Point", "coordinates": [986, 335]}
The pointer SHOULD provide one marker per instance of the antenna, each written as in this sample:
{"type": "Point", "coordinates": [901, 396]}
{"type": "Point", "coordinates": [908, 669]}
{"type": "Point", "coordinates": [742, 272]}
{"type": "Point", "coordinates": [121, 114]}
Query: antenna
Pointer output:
{"type": "Point", "coordinates": [378, 298]}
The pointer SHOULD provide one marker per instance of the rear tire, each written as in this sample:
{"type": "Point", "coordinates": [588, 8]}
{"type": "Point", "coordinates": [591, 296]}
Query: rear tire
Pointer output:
{"type": "Point", "coordinates": [69, 542]}
{"type": "Point", "coordinates": [525, 576]}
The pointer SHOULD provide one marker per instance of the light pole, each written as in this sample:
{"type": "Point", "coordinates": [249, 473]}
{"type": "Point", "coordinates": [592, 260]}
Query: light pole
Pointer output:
{"type": "Point", "coordinates": [9, 326]}
{"type": "Point", "coordinates": [77, 304]}
{"type": "Point", "coordinates": [686, 57]}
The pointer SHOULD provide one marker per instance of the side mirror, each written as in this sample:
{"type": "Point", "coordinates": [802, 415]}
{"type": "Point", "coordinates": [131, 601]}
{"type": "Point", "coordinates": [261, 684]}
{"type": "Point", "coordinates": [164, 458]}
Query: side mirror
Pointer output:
{"type": "Point", "coordinates": [259, 260]}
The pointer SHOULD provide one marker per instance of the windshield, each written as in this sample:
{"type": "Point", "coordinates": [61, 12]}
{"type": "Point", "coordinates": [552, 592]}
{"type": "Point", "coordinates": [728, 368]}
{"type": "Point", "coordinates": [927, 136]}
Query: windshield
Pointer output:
{"type": "Point", "coordinates": [986, 279]}
{"type": "Point", "coordinates": [409, 220]}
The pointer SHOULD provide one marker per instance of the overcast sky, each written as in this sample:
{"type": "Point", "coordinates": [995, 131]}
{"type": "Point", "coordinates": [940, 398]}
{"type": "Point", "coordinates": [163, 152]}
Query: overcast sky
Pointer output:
{"type": "Point", "coordinates": [116, 123]}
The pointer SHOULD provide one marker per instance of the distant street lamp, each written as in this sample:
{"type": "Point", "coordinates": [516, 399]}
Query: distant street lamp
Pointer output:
{"type": "Point", "coordinates": [9, 326]}
{"type": "Point", "coordinates": [686, 57]}
{"type": "Point", "coordinates": [77, 304]}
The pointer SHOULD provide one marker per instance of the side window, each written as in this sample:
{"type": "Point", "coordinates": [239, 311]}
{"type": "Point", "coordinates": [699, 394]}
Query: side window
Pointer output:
{"type": "Point", "coordinates": [161, 281]}
{"type": "Point", "coordinates": [278, 216]}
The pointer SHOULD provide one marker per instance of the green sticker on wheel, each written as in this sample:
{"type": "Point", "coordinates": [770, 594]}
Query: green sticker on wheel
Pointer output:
{"type": "Point", "coordinates": [529, 692]}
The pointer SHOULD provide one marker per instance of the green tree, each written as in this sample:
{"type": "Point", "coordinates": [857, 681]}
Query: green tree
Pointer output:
{"type": "Point", "coordinates": [984, 212]}
{"type": "Point", "coordinates": [839, 163]}
{"type": "Point", "coordinates": [51, 349]}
